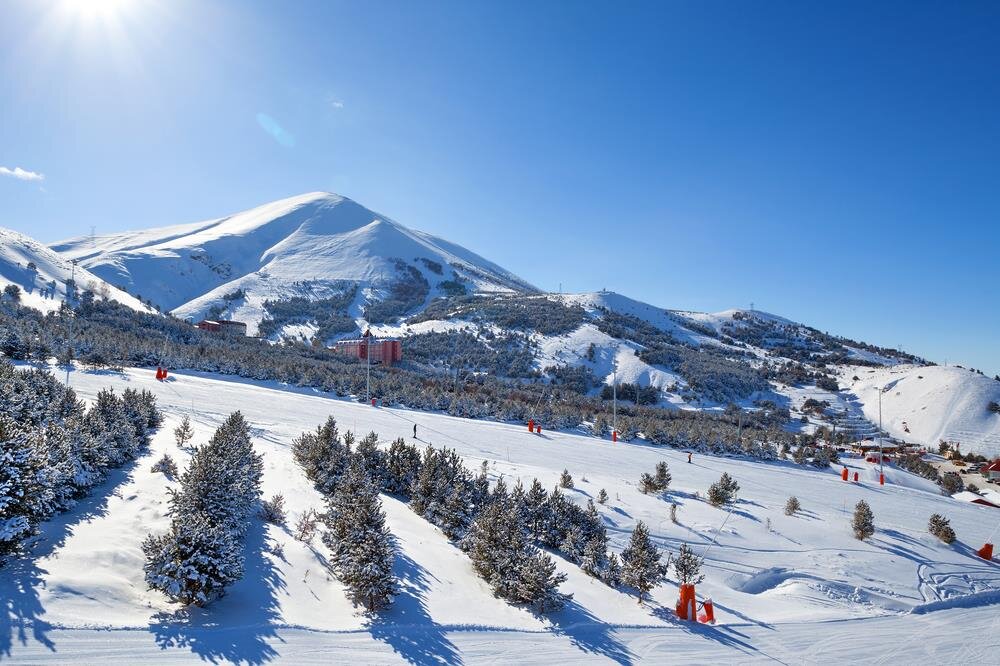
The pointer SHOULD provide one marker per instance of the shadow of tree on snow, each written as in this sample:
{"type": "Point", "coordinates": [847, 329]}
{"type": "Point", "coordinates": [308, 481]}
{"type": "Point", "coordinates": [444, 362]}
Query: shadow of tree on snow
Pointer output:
{"type": "Point", "coordinates": [255, 598]}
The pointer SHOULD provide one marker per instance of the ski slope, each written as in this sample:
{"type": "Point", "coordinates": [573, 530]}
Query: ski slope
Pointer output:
{"type": "Point", "coordinates": [928, 404]}
{"type": "Point", "coordinates": [44, 286]}
{"type": "Point", "coordinates": [802, 591]}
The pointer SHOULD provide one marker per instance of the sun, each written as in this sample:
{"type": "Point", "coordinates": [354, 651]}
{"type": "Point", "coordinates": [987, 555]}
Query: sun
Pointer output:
{"type": "Point", "coordinates": [96, 10]}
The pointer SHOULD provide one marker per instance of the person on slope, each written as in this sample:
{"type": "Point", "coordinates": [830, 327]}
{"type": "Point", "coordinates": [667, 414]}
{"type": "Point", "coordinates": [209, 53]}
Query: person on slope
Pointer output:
{"type": "Point", "coordinates": [414, 431]}
{"type": "Point", "coordinates": [689, 457]}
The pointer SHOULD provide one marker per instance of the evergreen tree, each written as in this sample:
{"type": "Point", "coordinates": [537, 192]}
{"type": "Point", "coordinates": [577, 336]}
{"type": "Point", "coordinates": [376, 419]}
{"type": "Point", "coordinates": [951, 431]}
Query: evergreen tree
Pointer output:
{"type": "Point", "coordinates": [184, 433]}
{"type": "Point", "coordinates": [941, 527]}
{"type": "Point", "coordinates": [723, 491]}
{"type": "Point", "coordinates": [863, 522]}
{"type": "Point", "coordinates": [662, 476]}
{"type": "Point", "coordinates": [792, 506]}
{"type": "Point", "coordinates": [361, 546]}
{"type": "Point", "coordinates": [602, 496]}
{"type": "Point", "coordinates": [16, 476]}
{"type": "Point", "coordinates": [565, 479]}
{"type": "Point", "coordinates": [194, 561]}
{"type": "Point", "coordinates": [647, 484]}
{"type": "Point", "coordinates": [688, 566]}
{"type": "Point", "coordinates": [402, 468]}
{"type": "Point", "coordinates": [457, 513]}
{"type": "Point", "coordinates": [613, 574]}
{"type": "Point", "coordinates": [641, 567]}
{"type": "Point", "coordinates": [535, 510]}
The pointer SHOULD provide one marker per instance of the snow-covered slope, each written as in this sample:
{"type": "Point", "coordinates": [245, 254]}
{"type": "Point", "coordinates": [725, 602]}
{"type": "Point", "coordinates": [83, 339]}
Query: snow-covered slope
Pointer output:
{"type": "Point", "coordinates": [796, 589]}
{"type": "Point", "coordinates": [307, 245]}
{"type": "Point", "coordinates": [928, 404]}
{"type": "Point", "coordinates": [41, 274]}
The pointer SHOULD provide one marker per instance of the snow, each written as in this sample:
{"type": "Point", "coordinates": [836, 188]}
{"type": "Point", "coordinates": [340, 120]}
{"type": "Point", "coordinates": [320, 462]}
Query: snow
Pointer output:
{"type": "Point", "coordinates": [18, 250]}
{"type": "Point", "coordinates": [299, 246]}
{"type": "Point", "coordinates": [933, 403]}
{"type": "Point", "coordinates": [803, 590]}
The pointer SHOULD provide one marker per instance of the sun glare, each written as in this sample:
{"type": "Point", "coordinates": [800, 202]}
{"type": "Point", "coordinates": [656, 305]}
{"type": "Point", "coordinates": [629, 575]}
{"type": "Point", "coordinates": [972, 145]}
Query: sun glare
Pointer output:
{"type": "Point", "coordinates": [96, 9]}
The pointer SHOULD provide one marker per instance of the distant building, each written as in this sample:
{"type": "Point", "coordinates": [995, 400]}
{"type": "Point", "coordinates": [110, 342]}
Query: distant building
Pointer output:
{"type": "Point", "coordinates": [867, 446]}
{"type": "Point", "coordinates": [992, 471]}
{"type": "Point", "coordinates": [223, 326]}
{"type": "Point", "coordinates": [378, 350]}
{"type": "Point", "coordinates": [975, 498]}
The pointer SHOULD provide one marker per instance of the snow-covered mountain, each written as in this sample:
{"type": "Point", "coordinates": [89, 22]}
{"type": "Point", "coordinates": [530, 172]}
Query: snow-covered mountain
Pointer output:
{"type": "Point", "coordinates": [41, 275]}
{"type": "Point", "coordinates": [310, 246]}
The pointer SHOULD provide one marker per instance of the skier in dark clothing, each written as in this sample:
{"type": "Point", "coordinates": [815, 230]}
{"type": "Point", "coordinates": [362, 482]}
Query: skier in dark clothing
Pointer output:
{"type": "Point", "coordinates": [689, 456]}
{"type": "Point", "coordinates": [414, 431]}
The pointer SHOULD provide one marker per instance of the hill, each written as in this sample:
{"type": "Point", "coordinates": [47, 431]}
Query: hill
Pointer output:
{"type": "Point", "coordinates": [313, 246]}
{"type": "Point", "coordinates": [43, 276]}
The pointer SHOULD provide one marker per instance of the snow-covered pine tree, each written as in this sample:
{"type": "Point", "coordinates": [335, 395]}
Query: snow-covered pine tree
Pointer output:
{"type": "Point", "coordinates": [402, 468]}
{"type": "Point", "coordinates": [457, 513]}
{"type": "Point", "coordinates": [16, 476]}
{"type": "Point", "coordinates": [662, 476]}
{"type": "Point", "coordinates": [194, 561]}
{"type": "Point", "coordinates": [361, 546]}
{"type": "Point", "coordinates": [792, 506]}
{"type": "Point", "coordinates": [573, 544]}
{"type": "Point", "coordinates": [535, 509]}
{"type": "Point", "coordinates": [688, 567]}
{"type": "Point", "coordinates": [565, 479]}
{"type": "Point", "coordinates": [613, 573]}
{"type": "Point", "coordinates": [941, 527]}
{"type": "Point", "coordinates": [863, 522]}
{"type": "Point", "coordinates": [641, 567]}
{"type": "Point", "coordinates": [184, 433]}
{"type": "Point", "coordinates": [647, 484]}
{"type": "Point", "coordinates": [602, 496]}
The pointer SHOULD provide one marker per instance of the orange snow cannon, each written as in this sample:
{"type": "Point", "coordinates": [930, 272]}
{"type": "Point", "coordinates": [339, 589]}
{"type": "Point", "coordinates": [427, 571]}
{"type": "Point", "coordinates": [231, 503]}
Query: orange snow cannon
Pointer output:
{"type": "Point", "coordinates": [531, 425]}
{"type": "Point", "coordinates": [843, 474]}
{"type": "Point", "coordinates": [855, 477]}
{"type": "Point", "coordinates": [614, 435]}
{"type": "Point", "coordinates": [986, 552]}
{"type": "Point", "coordinates": [708, 617]}
{"type": "Point", "coordinates": [686, 603]}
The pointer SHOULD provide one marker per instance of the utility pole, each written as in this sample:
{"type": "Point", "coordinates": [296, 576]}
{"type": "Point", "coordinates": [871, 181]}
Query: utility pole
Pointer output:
{"type": "Point", "coordinates": [881, 456]}
{"type": "Point", "coordinates": [614, 399]}
{"type": "Point", "coordinates": [69, 313]}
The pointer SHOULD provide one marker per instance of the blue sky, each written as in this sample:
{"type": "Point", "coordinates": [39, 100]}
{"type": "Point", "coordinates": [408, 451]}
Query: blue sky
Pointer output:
{"type": "Point", "coordinates": [835, 163]}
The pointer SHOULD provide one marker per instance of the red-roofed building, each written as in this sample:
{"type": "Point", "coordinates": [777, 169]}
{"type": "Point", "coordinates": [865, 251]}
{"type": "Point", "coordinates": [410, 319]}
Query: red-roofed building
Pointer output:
{"type": "Point", "coordinates": [992, 471]}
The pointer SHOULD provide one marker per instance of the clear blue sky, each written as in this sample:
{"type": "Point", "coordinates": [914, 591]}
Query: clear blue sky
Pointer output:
{"type": "Point", "coordinates": [835, 163]}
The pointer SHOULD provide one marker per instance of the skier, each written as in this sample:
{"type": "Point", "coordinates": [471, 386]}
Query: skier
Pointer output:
{"type": "Point", "coordinates": [414, 431]}
{"type": "Point", "coordinates": [689, 457]}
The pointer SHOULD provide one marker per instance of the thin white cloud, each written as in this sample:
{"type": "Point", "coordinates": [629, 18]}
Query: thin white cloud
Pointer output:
{"type": "Point", "coordinates": [337, 104]}
{"type": "Point", "coordinates": [21, 174]}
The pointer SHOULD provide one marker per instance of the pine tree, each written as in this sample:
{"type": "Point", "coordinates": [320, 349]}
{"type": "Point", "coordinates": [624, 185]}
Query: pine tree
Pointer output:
{"type": "Point", "coordinates": [573, 544]}
{"type": "Point", "coordinates": [595, 558]}
{"type": "Point", "coordinates": [864, 521]}
{"type": "Point", "coordinates": [193, 562]}
{"type": "Point", "coordinates": [565, 480]}
{"type": "Point", "coordinates": [641, 567]}
{"type": "Point", "coordinates": [688, 566]}
{"type": "Point", "coordinates": [723, 491]}
{"type": "Point", "coordinates": [662, 476]}
{"type": "Point", "coordinates": [457, 513]}
{"type": "Point", "coordinates": [602, 496]}
{"type": "Point", "coordinates": [535, 510]}
{"type": "Point", "coordinates": [647, 484]}
{"type": "Point", "coordinates": [16, 475]}
{"type": "Point", "coordinates": [792, 506]}
{"type": "Point", "coordinates": [360, 543]}
{"type": "Point", "coordinates": [402, 468]}
{"type": "Point", "coordinates": [613, 574]}
{"type": "Point", "coordinates": [941, 527]}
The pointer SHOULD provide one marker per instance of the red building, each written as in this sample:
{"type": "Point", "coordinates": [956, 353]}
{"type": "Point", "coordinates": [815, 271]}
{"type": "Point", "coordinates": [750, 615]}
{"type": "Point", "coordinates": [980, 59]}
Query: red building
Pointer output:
{"type": "Point", "coordinates": [385, 350]}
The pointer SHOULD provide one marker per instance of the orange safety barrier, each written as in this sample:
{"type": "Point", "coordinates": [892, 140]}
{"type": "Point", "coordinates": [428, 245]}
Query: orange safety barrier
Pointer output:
{"type": "Point", "coordinates": [614, 435]}
{"type": "Point", "coordinates": [686, 603]}
{"type": "Point", "coordinates": [373, 402]}
{"type": "Point", "coordinates": [855, 477]}
{"type": "Point", "coordinates": [986, 552]}
{"type": "Point", "coordinates": [531, 425]}
{"type": "Point", "coordinates": [843, 474]}
{"type": "Point", "coordinates": [708, 617]}
{"type": "Point", "coordinates": [538, 429]}
{"type": "Point", "coordinates": [881, 479]}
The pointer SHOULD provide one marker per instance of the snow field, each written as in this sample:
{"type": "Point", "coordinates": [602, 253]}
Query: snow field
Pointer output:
{"type": "Point", "coordinates": [769, 586]}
